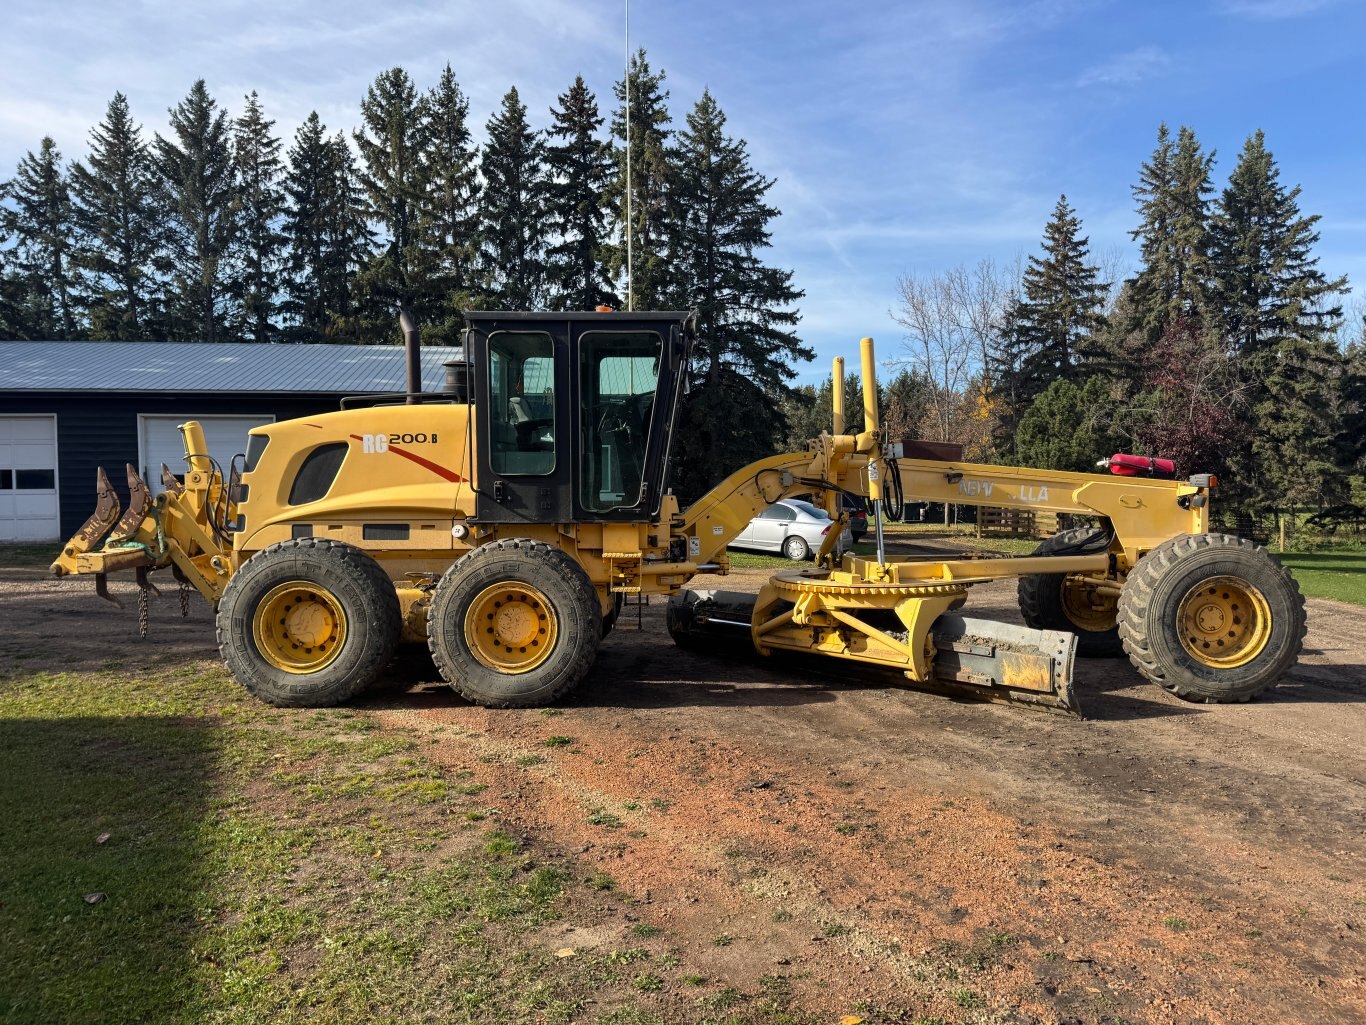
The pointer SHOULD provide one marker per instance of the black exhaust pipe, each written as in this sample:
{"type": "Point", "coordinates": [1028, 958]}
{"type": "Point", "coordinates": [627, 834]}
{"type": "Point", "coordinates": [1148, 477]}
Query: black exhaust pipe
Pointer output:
{"type": "Point", "coordinates": [412, 349]}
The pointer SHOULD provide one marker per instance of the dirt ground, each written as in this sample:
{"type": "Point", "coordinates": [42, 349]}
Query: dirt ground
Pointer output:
{"type": "Point", "coordinates": [1157, 861]}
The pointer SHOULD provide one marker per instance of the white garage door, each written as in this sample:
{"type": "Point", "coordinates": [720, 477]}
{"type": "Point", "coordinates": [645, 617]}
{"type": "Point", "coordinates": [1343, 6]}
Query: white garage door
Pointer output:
{"type": "Point", "coordinates": [28, 479]}
{"type": "Point", "coordinates": [159, 442]}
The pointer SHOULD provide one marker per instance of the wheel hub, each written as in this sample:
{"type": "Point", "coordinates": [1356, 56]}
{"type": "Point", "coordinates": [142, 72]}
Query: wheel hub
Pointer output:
{"type": "Point", "coordinates": [1087, 608]}
{"type": "Point", "coordinates": [299, 627]}
{"type": "Point", "coordinates": [1224, 621]}
{"type": "Point", "coordinates": [511, 627]}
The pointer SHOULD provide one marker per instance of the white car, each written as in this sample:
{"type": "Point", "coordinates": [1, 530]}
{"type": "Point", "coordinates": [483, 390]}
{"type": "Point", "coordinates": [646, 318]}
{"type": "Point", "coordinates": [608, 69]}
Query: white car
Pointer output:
{"type": "Point", "coordinates": [793, 528]}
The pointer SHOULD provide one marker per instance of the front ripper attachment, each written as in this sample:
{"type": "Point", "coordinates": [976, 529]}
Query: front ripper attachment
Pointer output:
{"type": "Point", "coordinates": [139, 503]}
{"type": "Point", "coordinates": [121, 550]}
{"type": "Point", "coordinates": [106, 514]}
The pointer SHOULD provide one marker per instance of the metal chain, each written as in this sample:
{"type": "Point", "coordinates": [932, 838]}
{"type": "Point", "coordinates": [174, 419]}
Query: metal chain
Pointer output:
{"type": "Point", "coordinates": [184, 599]}
{"type": "Point", "coordinates": [144, 603]}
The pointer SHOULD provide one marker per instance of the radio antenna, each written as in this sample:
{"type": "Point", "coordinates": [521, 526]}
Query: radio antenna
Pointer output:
{"type": "Point", "coordinates": [630, 225]}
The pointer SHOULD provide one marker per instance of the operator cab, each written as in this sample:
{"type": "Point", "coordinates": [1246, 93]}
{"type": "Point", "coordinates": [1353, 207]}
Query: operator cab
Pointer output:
{"type": "Point", "coordinates": [574, 412]}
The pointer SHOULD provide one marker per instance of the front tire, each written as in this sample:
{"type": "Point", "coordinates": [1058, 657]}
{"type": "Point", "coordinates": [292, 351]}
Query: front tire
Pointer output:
{"type": "Point", "coordinates": [308, 623]}
{"type": "Point", "coordinates": [796, 549]}
{"type": "Point", "coordinates": [1050, 601]}
{"type": "Point", "coordinates": [514, 624]}
{"type": "Point", "coordinates": [1212, 618]}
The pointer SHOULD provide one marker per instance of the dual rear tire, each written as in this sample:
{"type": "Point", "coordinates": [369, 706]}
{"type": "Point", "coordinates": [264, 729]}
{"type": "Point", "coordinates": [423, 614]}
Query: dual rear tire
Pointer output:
{"type": "Point", "coordinates": [310, 623]}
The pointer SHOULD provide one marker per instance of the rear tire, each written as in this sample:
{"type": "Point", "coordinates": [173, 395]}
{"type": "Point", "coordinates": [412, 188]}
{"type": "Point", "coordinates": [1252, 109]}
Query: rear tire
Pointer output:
{"type": "Point", "coordinates": [1212, 618]}
{"type": "Point", "coordinates": [514, 624]}
{"type": "Point", "coordinates": [1048, 603]}
{"type": "Point", "coordinates": [796, 549]}
{"type": "Point", "coordinates": [308, 623]}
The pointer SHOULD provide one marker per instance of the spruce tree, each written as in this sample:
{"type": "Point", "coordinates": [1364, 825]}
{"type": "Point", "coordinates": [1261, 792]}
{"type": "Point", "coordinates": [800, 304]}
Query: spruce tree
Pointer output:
{"type": "Point", "coordinates": [261, 243]}
{"type": "Point", "coordinates": [1068, 427]}
{"type": "Point", "coordinates": [121, 229]}
{"type": "Point", "coordinates": [1053, 327]}
{"type": "Point", "coordinates": [11, 290]}
{"type": "Point", "coordinates": [746, 344]}
{"type": "Point", "coordinates": [1351, 439]}
{"type": "Point", "coordinates": [512, 208]}
{"type": "Point", "coordinates": [1269, 287]}
{"type": "Point", "coordinates": [580, 168]}
{"type": "Point", "coordinates": [39, 222]}
{"type": "Point", "coordinates": [392, 141]}
{"type": "Point", "coordinates": [907, 400]}
{"type": "Point", "coordinates": [808, 410]}
{"type": "Point", "coordinates": [1278, 310]}
{"type": "Point", "coordinates": [326, 236]}
{"type": "Point", "coordinates": [450, 211]}
{"type": "Point", "coordinates": [198, 175]}
{"type": "Point", "coordinates": [1173, 201]}
{"type": "Point", "coordinates": [648, 173]}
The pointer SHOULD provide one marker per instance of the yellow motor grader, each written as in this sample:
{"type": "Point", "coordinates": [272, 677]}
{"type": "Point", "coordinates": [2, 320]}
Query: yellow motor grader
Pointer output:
{"type": "Point", "coordinates": [502, 520]}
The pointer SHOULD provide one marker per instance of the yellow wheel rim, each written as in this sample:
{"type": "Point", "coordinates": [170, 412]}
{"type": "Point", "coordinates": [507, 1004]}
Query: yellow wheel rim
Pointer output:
{"type": "Point", "coordinates": [299, 627]}
{"type": "Point", "coordinates": [1225, 622]}
{"type": "Point", "coordinates": [1088, 608]}
{"type": "Point", "coordinates": [511, 627]}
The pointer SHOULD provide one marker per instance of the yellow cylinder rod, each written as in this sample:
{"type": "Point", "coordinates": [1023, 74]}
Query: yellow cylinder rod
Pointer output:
{"type": "Point", "coordinates": [868, 441]}
{"type": "Point", "coordinates": [196, 448]}
{"type": "Point", "coordinates": [837, 395]}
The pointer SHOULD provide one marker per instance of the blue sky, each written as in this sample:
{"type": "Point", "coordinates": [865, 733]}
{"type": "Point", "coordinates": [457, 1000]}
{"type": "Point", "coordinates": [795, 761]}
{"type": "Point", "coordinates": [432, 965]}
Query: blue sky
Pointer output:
{"type": "Point", "coordinates": [904, 137]}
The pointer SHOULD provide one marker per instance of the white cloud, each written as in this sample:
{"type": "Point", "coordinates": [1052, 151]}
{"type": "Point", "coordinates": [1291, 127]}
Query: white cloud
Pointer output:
{"type": "Point", "coordinates": [1124, 69]}
{"type": "Point", "coordinates": [1273, 9]}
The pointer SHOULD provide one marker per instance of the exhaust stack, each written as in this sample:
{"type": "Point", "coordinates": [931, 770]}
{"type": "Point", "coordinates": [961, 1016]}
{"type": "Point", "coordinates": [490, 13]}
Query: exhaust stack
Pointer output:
{"type": "Point", "coordinates": [412, 350]}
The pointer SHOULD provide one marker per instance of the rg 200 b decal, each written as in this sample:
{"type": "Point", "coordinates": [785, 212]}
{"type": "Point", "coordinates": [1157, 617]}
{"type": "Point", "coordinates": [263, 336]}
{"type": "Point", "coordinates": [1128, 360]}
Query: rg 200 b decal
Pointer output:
{"type": "Point", "coordinates": [381, 442]}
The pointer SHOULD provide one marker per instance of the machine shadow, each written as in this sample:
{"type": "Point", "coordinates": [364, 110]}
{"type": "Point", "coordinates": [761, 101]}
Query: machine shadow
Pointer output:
{"type": "Point", "coordinates": [631, 680]}
{"type": "Point", "coordinates": [106, 870]}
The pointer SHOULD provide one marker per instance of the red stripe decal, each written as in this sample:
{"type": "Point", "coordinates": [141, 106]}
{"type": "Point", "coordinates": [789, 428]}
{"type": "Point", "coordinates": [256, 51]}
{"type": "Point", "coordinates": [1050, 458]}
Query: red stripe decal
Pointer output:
{"type": "Point", "coordinates": [437, 469]}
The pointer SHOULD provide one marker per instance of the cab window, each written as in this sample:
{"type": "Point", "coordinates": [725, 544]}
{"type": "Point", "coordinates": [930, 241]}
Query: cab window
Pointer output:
{"type": "Point", "coordinates": [618, 372]}
{"type": "Point", "coordinates": [522, 433]}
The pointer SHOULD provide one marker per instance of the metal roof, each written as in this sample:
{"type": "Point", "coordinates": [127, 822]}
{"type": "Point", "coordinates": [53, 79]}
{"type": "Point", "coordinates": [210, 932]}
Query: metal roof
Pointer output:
{"type": "Point", "coordinates": [190, 367]}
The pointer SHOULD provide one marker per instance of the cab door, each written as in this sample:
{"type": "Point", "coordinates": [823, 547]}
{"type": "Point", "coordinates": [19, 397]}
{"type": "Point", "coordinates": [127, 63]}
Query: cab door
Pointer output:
{"type": "Point", "coordinates": [523, 424]}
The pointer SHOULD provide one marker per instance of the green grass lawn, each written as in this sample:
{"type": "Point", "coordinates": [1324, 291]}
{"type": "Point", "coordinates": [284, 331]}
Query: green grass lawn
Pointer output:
{"type": "Point", "coordinates": [174, 852]}
{"type": "Point", "coordinates": [28, 556]}
{"type": "Point", "coordinates": [1340, 575]}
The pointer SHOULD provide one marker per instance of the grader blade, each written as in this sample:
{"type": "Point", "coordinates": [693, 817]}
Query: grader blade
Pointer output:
{"type": "Point", "coordinates": [1001, 662]}
{"type": "Point", "coordinates": [106, 514]}
{"type": "Point", "coordinates": [139, 502]}
{"type": "Point", "coordinates": [976, 658]}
